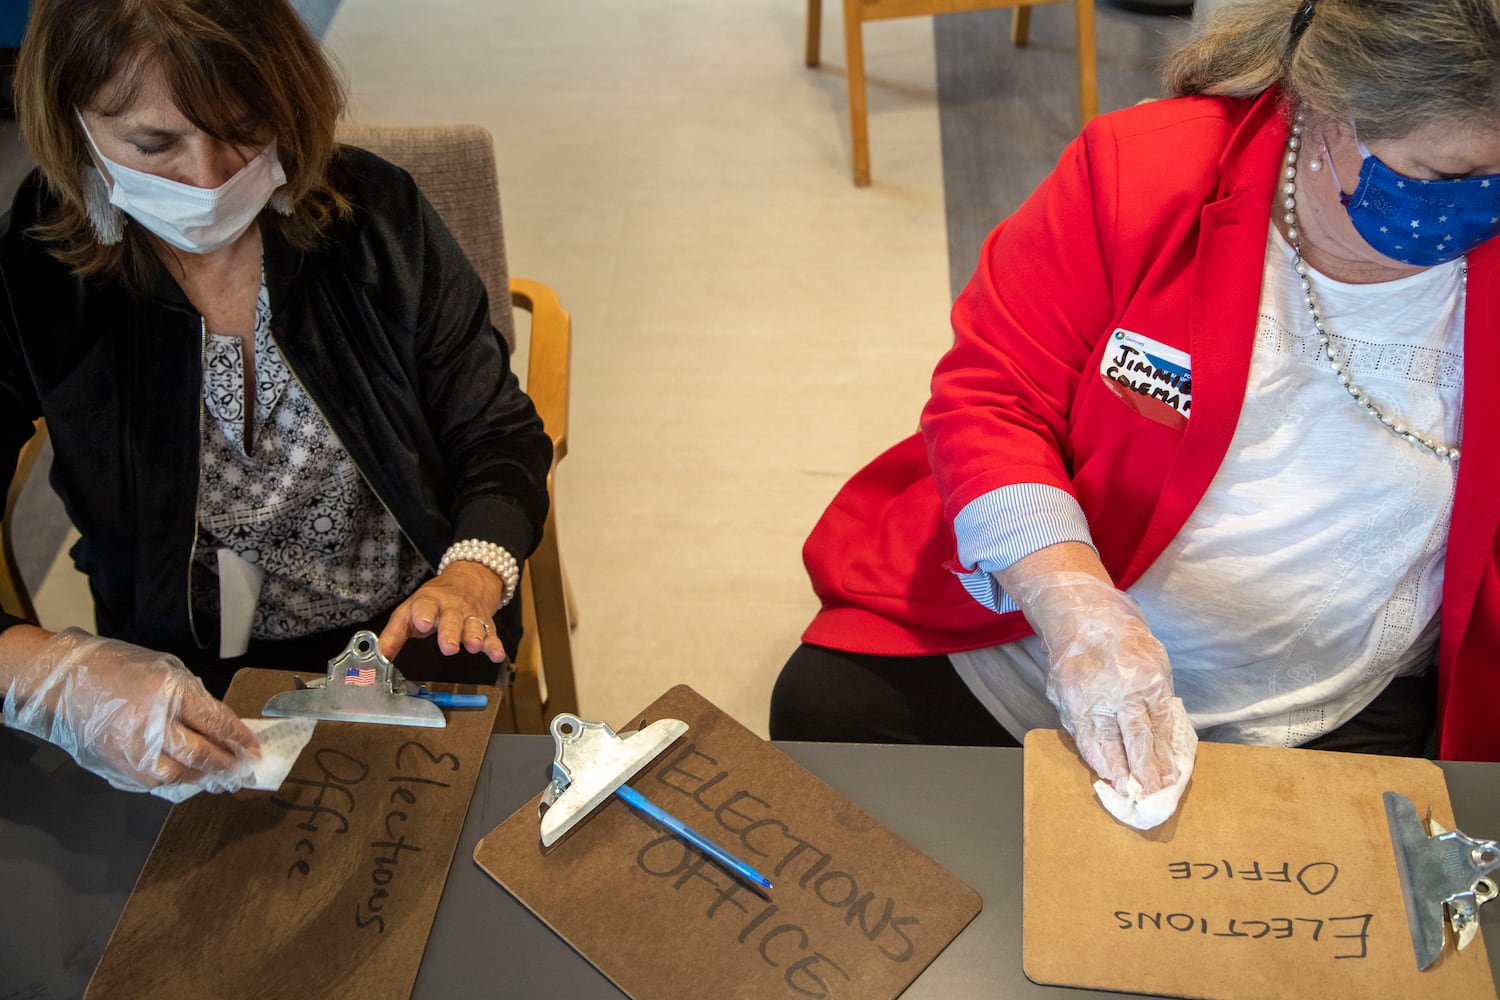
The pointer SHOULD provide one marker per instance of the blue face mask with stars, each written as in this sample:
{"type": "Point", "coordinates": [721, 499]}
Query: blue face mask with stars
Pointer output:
{"type": "Point", "coordinates": [1421, 223]}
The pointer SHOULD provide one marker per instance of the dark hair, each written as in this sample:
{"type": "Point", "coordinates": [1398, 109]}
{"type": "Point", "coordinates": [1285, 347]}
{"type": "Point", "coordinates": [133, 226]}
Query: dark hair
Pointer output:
{"type": "Point", "coordinates": [236, 69]}
{"type": "Point", "coordinates": [1390, 66]}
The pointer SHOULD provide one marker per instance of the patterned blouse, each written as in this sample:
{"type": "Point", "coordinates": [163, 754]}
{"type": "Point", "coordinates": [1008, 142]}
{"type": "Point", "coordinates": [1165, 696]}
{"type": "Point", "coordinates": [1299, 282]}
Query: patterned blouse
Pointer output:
{"type": "Point", "coordinates": [295, 505]}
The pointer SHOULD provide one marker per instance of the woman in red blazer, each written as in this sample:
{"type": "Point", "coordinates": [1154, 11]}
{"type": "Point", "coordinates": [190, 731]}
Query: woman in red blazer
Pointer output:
{"type": "Point", "coordinates": [1208, 377]}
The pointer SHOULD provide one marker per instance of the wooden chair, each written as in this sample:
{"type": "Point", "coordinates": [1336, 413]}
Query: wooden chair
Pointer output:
{"type": "Point", "coordinates": [857, 12]}
{"type": "Point", "coordinates": [15, 597]}
{"type": "Point", "coordinates": [454, 165]}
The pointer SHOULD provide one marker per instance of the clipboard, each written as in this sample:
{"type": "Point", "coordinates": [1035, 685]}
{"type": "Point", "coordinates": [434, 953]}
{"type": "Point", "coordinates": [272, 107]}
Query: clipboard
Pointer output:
{"type": "Point", "coordinates": [327, 887]}
{"type": "Point", "coordinates": [855, 911]}
{"type": "Point", "coordinates": [1275, 878]}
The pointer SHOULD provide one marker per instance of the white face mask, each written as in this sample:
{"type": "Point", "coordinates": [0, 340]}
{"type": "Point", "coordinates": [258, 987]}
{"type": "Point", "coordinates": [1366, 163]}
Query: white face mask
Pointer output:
{"type": "Point", "coordinates": [194, 219]}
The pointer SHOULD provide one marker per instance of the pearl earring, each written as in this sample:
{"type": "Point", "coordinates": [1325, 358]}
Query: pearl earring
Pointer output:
{"type": "Point", "coordinates": [1315, 164]}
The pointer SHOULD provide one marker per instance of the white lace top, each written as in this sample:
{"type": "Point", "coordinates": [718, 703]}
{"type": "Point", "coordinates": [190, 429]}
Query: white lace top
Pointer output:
{"type": "Point", "coordinates": [1311, 573]}
{"type": "Point", "coordinates": [295, 506]}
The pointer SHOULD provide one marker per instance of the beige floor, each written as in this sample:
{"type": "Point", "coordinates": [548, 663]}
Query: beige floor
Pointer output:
{"type": "Point", "coordinates": [749, 327]}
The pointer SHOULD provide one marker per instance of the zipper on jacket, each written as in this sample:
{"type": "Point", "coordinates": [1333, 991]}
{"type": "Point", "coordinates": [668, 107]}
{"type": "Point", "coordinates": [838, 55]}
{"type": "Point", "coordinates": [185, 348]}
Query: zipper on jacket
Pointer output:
{"type": "Point", "coordinates": [197, 480]}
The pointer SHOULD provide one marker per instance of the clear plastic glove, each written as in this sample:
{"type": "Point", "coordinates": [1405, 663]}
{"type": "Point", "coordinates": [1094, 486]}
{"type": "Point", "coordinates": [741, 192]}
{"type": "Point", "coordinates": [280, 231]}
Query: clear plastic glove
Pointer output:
{"type": "Point", "coordinates": [133, 716]}
{"type": "Point", "coordinates": [1111, 683]}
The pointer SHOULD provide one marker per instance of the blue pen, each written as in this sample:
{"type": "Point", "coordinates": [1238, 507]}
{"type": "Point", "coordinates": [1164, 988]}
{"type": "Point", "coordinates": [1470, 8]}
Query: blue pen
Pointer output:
{"type": "Point", "coordinates": [442, 699]}
{"type": "Point", "coordinates": [677, 826]}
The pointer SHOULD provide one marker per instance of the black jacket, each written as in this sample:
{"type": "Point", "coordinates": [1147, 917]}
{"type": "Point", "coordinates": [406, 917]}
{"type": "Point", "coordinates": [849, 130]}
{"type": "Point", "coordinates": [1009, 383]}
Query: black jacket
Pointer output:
{"type": "Point", "coordinates": [386, 326]}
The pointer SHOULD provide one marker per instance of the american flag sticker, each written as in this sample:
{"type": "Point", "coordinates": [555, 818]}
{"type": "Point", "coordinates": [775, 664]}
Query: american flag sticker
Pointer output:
{"type": "Point", "coordinates": [359, 675]}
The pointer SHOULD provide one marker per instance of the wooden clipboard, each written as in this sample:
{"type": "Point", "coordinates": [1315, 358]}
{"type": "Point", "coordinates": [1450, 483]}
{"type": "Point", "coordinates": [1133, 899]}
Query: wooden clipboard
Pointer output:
{"type": "Point", "coordinates": [325, 888]}
{"type": "Point", "coordinates": [1275, 878]}
{"type": "Point", "coordinates": [855, 912]}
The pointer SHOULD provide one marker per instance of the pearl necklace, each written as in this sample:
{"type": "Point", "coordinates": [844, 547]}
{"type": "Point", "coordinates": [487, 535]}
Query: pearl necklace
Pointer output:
{"type": "Point", "coordinates": [1340, 368]}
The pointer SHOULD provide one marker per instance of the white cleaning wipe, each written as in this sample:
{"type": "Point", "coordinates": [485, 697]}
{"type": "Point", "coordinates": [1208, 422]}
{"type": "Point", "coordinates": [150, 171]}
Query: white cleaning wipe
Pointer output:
{"type": "Point", "coordinates": [281, 741]}
{"type": "Point", "coordinates": [1146, 811]}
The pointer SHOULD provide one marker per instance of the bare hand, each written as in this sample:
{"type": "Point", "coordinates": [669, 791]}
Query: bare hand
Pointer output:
{"type": "Point", "coordinates": [459, 605]}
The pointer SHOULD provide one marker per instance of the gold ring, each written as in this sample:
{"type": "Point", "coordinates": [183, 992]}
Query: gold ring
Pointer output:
{"type": "Point", "coordinates": [482, 624]}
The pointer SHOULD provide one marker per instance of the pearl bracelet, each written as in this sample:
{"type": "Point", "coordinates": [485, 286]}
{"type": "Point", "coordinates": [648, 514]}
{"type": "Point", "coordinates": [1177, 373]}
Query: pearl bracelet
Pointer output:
{"type": "Point", "coordinates": [489, 555]}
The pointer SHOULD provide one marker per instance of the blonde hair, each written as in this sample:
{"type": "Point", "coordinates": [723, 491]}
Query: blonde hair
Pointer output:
{"type": "Point", "coordinates": [236, 69]}
{"type": "Point", "coordinates": [1389, 66]}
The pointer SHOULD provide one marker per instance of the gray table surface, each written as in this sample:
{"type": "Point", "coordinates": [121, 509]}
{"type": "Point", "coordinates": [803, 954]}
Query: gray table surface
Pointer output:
{"type": "Point", "coordinates": [71, 847]}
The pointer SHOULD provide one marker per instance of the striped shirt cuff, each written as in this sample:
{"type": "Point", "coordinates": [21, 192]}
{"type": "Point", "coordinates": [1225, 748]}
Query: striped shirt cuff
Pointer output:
{"type": "Point", "coordinates": [1003, 526]}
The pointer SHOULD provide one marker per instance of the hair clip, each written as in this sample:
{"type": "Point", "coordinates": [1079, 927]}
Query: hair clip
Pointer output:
{"type": "Point", "coordinates": [1302, 19]}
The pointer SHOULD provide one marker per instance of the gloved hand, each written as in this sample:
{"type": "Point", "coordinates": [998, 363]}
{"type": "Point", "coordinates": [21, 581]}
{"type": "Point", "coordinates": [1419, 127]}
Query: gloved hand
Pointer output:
{"type": "Point", "coordinates": [1110, 681]}
{"type": "Point", "coordinates": [136, 717]}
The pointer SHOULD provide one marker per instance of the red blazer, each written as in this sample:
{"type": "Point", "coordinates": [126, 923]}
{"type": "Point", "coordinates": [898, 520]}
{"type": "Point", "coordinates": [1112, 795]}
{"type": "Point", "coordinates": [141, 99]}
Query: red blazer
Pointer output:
{"type": "Point", "coordinates": [1154, 220]}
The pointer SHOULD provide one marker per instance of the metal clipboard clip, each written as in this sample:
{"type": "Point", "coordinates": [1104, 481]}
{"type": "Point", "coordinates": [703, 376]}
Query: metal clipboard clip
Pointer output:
{"type": "Point", "coordinates": [361, 685]}
{"type": "Point", "coordinates": [590, 764]}
{"type": "Point", "coordinates": [1439, 869]}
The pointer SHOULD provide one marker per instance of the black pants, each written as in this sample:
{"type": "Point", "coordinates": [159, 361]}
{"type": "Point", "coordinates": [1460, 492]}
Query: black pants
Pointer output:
{"type": "Point", "coordinates": [837, 697]}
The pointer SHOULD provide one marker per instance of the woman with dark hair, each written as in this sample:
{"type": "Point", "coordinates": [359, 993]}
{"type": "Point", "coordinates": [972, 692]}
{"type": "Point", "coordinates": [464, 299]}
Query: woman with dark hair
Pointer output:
{"type": "Point", "coordinates": [278, 408]}
{"type": "Point", "coordinates": [1193, 461]}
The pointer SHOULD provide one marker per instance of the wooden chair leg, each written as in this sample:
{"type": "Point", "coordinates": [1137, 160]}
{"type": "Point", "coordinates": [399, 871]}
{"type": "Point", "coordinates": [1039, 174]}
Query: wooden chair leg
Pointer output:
{"type": "Point", "coordinates": [1020, 25]}
{"type": "Point", "coordinates": [572, 601]}
{"type": "Point", "coordinates": [526, 705]}
{"type": "Point", "coordinates": [505, 718]}
{"type": "Point", "coordinates": [814, 31]}
{"type": "Point", "coordinates": [524, 712]}
{"type": "Point", "coordinates": [1088, 75]}
{"type": "Point", "coordinates": [552, 625]}
{"type": "Point", "coordinates": [525, 657]}
{"type": "Point", "coordinates": [859, 125]}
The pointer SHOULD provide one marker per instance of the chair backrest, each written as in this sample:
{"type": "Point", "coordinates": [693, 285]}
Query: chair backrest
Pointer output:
{"type": "Point", "coordinates": [454, 165]}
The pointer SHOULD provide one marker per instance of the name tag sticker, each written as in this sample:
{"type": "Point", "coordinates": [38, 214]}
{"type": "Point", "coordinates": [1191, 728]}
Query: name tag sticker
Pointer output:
{"type": "Point", "coordinates": [1151, 378]}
